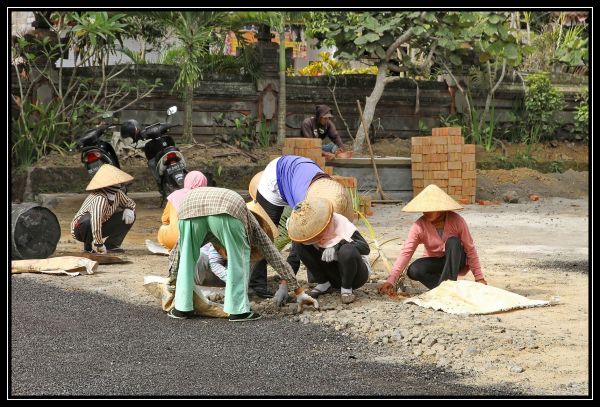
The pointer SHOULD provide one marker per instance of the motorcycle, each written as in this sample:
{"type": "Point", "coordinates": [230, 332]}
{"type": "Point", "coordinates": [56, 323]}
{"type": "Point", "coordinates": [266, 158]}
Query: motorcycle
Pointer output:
{"type": "Point", "coordinates": [165, 161]}
{"type": "Point", "coordinates": [94, 150]}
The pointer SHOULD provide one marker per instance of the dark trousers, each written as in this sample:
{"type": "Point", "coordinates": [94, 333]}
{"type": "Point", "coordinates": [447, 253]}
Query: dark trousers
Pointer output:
{"type": "Point", "coordinates": [258, 276]}
{"type": "Point", "coordinates": [348, 271]}
{"type": "Point", "coordinates": [431, 271]}
{"type": "Point", "coordinates": [115, 228]}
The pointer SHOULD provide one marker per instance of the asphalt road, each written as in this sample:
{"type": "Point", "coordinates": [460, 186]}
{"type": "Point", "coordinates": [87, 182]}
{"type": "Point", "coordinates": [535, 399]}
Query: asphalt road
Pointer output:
{"type": "Point", "coordinates": [70, 343]}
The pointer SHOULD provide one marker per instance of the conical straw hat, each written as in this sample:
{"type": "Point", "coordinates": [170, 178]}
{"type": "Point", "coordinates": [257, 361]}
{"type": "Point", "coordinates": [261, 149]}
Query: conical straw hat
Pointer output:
{"type": "Point", "coordinates": [309, 219]}
{"type": "Point", "coordinates": [263, 219]}
{"type": "Point", "coordinates": [336, 193]}
{"type": "Point", "coordinates": [253, 186]}
{"type": "Point", "coordinates": [108, 175]}
{"type": "Point", "coordinates": [432, 199]}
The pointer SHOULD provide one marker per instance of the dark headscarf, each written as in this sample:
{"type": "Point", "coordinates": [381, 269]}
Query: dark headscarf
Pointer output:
{"type": "Point", "coordinates": [322, 110]}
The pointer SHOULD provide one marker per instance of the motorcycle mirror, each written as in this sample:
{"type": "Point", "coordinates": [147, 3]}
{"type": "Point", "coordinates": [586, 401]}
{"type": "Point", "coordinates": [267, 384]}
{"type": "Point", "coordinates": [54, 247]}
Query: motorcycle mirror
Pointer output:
{"type": "Point", "coordinates": [172, 110]}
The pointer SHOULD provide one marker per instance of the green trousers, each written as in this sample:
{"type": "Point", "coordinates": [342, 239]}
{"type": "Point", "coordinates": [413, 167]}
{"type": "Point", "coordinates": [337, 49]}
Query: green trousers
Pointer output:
{"type": "Point", "coordinates": [232, 234]}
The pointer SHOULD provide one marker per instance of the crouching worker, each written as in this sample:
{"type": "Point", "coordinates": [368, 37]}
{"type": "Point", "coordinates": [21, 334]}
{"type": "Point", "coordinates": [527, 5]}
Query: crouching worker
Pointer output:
{"type": "Point", "coordinates": [449, 248]}
{"type": "Point", "coordinates": [211, 269]}
{"type": "Point", "coordinates": [331, 246]}
{"type": "Point", "coordinates": [223, 214]}
{"type": "Point", "coordinates": [106, 213]}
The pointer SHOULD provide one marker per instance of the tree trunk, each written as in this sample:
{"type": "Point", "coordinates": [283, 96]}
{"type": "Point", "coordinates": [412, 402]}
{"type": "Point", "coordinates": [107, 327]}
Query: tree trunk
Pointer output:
{"type": "Point", "coordinates": [370, 105]}
{"type": "Point", "coordinates": [187, 119]}
{"type": "Point", "coordinates": [281, 108]}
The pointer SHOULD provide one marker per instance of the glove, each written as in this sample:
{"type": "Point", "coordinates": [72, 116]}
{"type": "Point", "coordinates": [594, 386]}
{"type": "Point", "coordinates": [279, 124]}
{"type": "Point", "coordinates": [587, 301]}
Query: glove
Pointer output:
{"type": "Point", "coordinates": [100, 249]}
{"type": "Point", "coordinates": [386, 288]}
{"type": "Point", "coordinates": [329, 255]}
{"type": "Point", "coordinates": [304, 299]}
{"type": "Point", "coordinates": [128, 216]}
{"type": "Point", "coordinates": [482, 281]}
{"type": "Point", "coordinates": [281, 295]}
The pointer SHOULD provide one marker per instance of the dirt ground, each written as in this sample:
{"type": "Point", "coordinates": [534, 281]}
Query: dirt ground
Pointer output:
{"type": "Point", "coordinates": [216, 152]}
{"type": "Point", "coordinates": [536, 249]}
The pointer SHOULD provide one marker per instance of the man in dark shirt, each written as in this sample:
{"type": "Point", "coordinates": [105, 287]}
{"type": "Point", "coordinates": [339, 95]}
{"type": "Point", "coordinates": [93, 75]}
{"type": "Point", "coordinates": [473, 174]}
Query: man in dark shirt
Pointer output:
{"type": "Point", "coordinates": [320, 126]}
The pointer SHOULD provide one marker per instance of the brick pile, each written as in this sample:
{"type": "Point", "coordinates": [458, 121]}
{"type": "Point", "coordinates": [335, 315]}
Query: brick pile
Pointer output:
{"type": "Point", "coordinates": [305, 147]}
{"type": "Point", "coordinates": [444, 160]}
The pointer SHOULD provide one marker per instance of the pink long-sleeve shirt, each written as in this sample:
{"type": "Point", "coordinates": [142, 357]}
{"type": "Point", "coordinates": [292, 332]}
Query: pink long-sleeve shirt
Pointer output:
{"type": "Point", "coordinates": [423, 231]}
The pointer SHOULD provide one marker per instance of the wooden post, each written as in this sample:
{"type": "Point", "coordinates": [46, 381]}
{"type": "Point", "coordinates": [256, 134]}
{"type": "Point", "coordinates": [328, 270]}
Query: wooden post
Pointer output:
{"type": "Point", "coordinates": [379, 189]}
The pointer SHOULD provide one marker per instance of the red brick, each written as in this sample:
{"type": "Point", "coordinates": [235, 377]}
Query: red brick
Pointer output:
{"type": "Point", "coordinates": [436, 140]}
{"type": "Point", "coordinates": [469, 148]}
{"type": "Point", "coordinates": [454, 148]}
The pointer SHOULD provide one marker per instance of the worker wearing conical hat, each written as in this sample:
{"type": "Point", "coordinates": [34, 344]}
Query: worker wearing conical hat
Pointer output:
{"type": "Point", "coordinates": [107, 214]}
{"type": "Point", "coordinates": [331, 246]}
{"type": "Point", "coordinates": [288, 180]}
{"type": "Point", "coordinates": [449, 248]}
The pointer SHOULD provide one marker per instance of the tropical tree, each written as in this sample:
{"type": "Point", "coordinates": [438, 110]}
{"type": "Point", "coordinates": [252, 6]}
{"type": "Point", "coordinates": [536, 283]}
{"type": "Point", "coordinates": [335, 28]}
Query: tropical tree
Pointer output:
{"type": "Point", "coordinates": [279, 21]}
{"type": "Point", "coordinates": [194, 32]}
{"type": "Point", "coordinates": [400, 42]}
{"type": "Point", "coordinates": [493, 40]}
{"type": "Point", "coordinates": [77, 96]}
{"type": "Point", "coordinates": [148, 32]}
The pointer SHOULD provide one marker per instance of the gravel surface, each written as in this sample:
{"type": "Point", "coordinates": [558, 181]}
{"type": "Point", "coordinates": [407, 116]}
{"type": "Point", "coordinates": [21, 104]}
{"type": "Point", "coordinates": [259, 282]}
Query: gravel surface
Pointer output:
{"type": "Point", "coordinates": [74, 343]}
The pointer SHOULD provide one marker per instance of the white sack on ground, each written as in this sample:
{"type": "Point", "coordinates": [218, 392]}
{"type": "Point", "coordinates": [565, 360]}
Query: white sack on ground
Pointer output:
{"type": "Point", "coordinates": [468, 297]}
{"type": "Point", "coordinates": [69, 265]}
{"type": "Point", "coordinates": [156, 248]}
{"type": "Point", "coordinates": [160, 288]}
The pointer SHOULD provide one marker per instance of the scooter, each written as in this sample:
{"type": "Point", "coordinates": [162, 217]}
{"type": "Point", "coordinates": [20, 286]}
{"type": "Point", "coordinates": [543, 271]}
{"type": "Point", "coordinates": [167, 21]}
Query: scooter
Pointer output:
{"type": "Point", "coordinates": [94, 151]}
{"type": "Point", "coordinates": [165, 161]}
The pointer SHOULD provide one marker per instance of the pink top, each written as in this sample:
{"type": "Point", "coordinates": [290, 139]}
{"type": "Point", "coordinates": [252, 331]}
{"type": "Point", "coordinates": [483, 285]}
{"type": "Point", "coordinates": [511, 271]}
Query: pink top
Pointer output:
{"type": "Point", "coordinates": [339, 228]}
{"type": "Point", "coordinates": [193, 179]}
{"type": "Point", "coordinates": [423, 231]}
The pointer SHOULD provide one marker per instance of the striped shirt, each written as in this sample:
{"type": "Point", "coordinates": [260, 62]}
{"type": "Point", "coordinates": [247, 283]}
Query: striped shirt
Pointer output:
{"type": "Point", "coordinates": [100, 210]}
{"type": "Point", "coordinates": [216, 261]}
{"type": "Point", "coordinates": [209, 201]}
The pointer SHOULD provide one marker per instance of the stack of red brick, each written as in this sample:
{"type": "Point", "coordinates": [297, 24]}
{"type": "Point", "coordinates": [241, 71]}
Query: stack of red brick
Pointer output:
{"type": "Point", "coordinates": [305, 147]}
{"type": "Point", "coordinates": [443, 159]}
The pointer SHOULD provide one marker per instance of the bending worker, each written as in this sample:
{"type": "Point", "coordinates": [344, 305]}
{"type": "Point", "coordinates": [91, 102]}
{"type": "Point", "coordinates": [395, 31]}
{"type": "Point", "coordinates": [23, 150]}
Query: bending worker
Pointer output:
{"type": "Point", "coordinates": [223, 214]}
{"type": "Point", "coordinates": [288, 180]}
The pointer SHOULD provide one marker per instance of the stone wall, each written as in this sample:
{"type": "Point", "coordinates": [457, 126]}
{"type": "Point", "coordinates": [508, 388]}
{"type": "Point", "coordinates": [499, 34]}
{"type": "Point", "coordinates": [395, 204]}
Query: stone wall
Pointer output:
{"type": "Point", "coordinates": [234, 96]}
{"type": "Point", "coordinates": [394, 116]}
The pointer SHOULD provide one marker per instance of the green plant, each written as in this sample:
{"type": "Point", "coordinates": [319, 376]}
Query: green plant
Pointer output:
{"type": "Point", "coordinates": [556, 166]}
{"type": "Point", "coordinates": [554, 48]}
{"type": "Point", "coordinates": [423, 128]}
{"type": "Point", "coordinates": [263, 134]}
{"type": "Point", "coordinates": [542, 102]}
{"type": "Point", "coordinates": [329, 66]}
{"type": "Point", "coordinates": [77, 99]}
{"type": "Point", "coordinates": [582, 121]}
{"type": "Point", "coordinates": [283, 239]}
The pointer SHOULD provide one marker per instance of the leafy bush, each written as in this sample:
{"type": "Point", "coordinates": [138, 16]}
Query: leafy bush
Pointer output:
{"type": "Point", "coordinates": [582, 122]}
{"type": "Point", "coordinates": [542, 101]}
{"type": "Point", "coordinates": [330, 66]}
